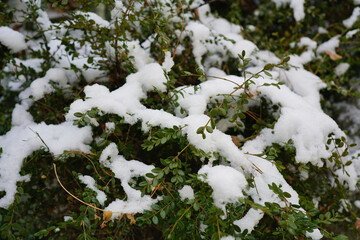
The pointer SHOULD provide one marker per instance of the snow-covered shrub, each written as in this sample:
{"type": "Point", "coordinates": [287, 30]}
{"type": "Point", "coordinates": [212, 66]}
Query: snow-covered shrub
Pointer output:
{"type": "Point", "coordinates": [178, 119]}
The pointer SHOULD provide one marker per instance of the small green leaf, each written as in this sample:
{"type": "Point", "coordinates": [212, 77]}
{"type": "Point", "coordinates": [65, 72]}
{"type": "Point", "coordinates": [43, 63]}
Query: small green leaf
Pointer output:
{"type": "Point", "coordinates": [268, 66]}
{"type": "Point", "coordinates": [90, 59]}
{"type": "Point", "coordinates": [267, 73]}
{"type": "Point", "coordinates": [155, 219]}
{"type": "Point", "coordinates": [78, 114]}
{"type": "Point", "coordinates": [287, 195]}
{"type": "Point", "coordinates": [163, 140]}
{"type": "Point", "coordinates": [196, 206]}
{"type": "Point", "coordinates": [200, 130]}
{"type": "Point", "coordinates": [286, 59]}
{"type": "Point", "coordinates": [203, 135]}
{"type": "Point", "coordinates": [156, 170]}
{"type": "Point", "coordinates": [222, 112]}
{"type": "Point", "coordinates": [162, 214]}
{"type": "Point", "coordinates": [212, 112]}
{"type": "Point", "coordinates": [348, 163]}
{"type": "Point", "coordinates": [209, 129]}
{"type": "Point", "coordinates": [155, 207]}
{"type": "Point", "coordinates": [212, 123]}
{"type": "Point", "coordinates": [150, 175]}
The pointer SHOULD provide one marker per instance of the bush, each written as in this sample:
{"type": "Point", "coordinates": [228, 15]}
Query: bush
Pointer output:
{"type": "Point", "coordinates": [179, 119]}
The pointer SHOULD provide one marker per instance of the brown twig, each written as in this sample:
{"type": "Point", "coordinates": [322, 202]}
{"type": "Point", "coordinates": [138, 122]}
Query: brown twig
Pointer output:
{"type": "Point", "coordinates": [72, 195]}
{"type": "Point", "coordinates": [182, 28]}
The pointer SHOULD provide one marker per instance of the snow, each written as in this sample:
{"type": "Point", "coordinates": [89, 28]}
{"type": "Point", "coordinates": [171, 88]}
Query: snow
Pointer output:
{"type": "Point", "coordinates": [22, 140]}
{"type": "Point", "coordinates": [227, 238]}
{"type": "Point", "coordinates": [90, 183]}
{"type": "Point", "coordinates": [322, 30]}
{"type": "Point", "coordinates": [13, 40]}
{"type": "Point", "coordinates": [94, 17]}
{"type": "Point", "coordinates": [126, 170]}
{"type": "Point", "coordinates": [186, 193]}
{"type": "Point", "coordinates": [329, 45]}
{"type": "Point", "coordinates": [226, 182]}
{"type": "Point", "coordinates": [353, 18]}
{"type": "Point", "coordinates": [300, 117]}
{"type": "Point", "coordinates": [341, 69]}
{"type": "Point", "coordinates": [250, 220]}
{"type": "Point", "coordinates": [68, 218]}
{"type": "Point", "coordinates": [110, 126]}
{"type": "Point", "coordinates": [315, 235]}
{"type": "Point", "coordinates": [296, 5]}
{"type": "Point", "coordinates": [42, 86]}
{"type": "Point", "coordinates": [351, 33]}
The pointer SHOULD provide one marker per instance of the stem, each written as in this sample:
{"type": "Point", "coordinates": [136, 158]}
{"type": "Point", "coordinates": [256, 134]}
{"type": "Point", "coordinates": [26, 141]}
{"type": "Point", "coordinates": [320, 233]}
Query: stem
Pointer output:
{"type": "Point", "coordinates": [177, 221]}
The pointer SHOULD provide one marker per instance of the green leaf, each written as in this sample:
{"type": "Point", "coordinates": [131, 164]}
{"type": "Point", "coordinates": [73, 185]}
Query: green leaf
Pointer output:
{"type": "Point", "coordinates": [196, 206]}
{"type": "Point", "coordinates": [186, 73]}
{"type": "Point", "coordinates": [150, 175]}
{"type": "Point", "coordinates": [212, 112]}
{"type": "Point", "coordinates": [286, 59]}
{"type": "Point", "coordinates": [155, 207]}
{"type": "Point", "coordinates": [163, 140]}
{"type": "Point", "coordinates": [162, 214]}
{"type": "Point", "coordinates": [292, 225]}
{"type": "Point", "coordinates": [209, 129]}
{"type": "Point", "coordinates": [287, 195]}
{"type": "Point", "coordinates": [212, 123]}
{"type": "Point", "coordinates": [200, 130]}
{"type": "Point", "coordinates": [348, 163]}
{"type": "Point", "coordinates": [222, 111]}
{"type": "Point", "coordinates": [203, 135]}
{"type": "Point", "coordinates": [267, 73]}
{"type": "Point", "coordinates": [78, 114]}
{"type": "Point", "coordinates": [156, 170]}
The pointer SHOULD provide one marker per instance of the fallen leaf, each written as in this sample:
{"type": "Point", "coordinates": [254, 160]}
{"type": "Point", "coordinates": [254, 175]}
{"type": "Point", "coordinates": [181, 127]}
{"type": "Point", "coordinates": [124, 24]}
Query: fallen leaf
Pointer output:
{"type": "Point", "coordinates": [333, 56]}
{"type": "Point", "coordinates": [131, 218]}
{"type": "Point", "coordinates": [107, 216]}
{"type": "Point", "coordinates": [103, 225]}
{"type": "Point", "coordinates": [236, 140]}
{"type": "Point", "coordinates": [357, 224]}
{"type": "Point", "coordinates": [97, 216]}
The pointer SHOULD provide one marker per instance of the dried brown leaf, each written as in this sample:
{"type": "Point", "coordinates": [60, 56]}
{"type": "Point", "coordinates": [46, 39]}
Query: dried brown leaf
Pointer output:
{"type": "Point", "coordinates": [357, 224]}
{"type": "Point", "coordinates": [107, 216]}
{"type": "Point", "coordinates": [236, 140]}
{"type": "Point", "coordinates": [131, 218]}
{"type": "Point", "coordinates": [333, 56]}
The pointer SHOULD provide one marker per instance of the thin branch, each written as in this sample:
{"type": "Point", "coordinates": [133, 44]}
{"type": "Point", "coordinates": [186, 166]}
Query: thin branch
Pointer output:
{"type": "Point", "coordinates": [72, 195]}
{"type": "Point", "coordinates": [182, 28]}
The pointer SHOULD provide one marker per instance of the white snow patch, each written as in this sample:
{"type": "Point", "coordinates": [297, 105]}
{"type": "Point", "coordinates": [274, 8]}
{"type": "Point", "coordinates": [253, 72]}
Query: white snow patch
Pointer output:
{"type": "Point", "coordinates": [68, 218]}
{"type": "Point", "coordinates": [13, 40]}
{"type": "Point", "coordinates": [22, 140]}
{"type": "Point", "coordinates": [90, 183]}
{"type": "Point", "coordinates": [341, 69]}
{"type": "Point", "coordinates": [296, 5]}
{"type": "Point", "coordinates": [351, 33]}
{"type": "Point", "coordinates": [353, 18]}
{"type": "Point", "coordinates": [126, 170]}
{"type": "Point", "coordinates": [186, 193]}
{"type": "Point", "coordinates": [315, 234]}
{"type": "Point", "coordinates": [329, 45]}
{"type": "Point", "coordinates": [226, 182]}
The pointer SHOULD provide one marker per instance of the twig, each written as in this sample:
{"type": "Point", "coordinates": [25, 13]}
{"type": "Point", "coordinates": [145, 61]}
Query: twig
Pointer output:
{"type": "Point", "coordinates": [182, 28]}
{"type": "Point", "coordinates": [37, 134]}
{"type": "Point", "coordinates": [72, 195]}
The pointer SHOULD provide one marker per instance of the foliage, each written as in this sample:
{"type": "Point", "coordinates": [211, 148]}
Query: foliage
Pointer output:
{"type": "Point", "coordinates": [326, 202]}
